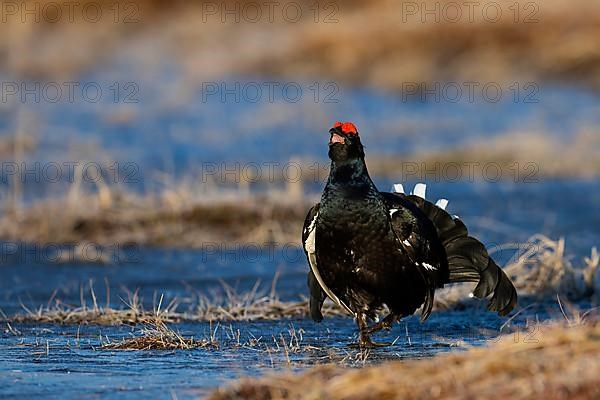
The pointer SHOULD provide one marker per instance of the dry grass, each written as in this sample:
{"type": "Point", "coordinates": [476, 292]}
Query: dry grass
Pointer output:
{"type": "Point", "coordinates": [251, 306]}
{"type": "Point", "coordinates": [255, 305]}
{"type": "Point", "coordinates": [387, 50]}
{"type": "Point", "coordinates": [187, 214]}
{"type": "Point", "coordinates": [191, 213]}
{"type": "Point", "coordinates": [156, 335]}
{"type": "Point", "coordinates": [554, 362]}
{"type": "Point", "coordinates": [57, 312]}
{"type": "Point", "coordinates": [544, 269]}
{"type": "Point", "coordinates": [539, 269]}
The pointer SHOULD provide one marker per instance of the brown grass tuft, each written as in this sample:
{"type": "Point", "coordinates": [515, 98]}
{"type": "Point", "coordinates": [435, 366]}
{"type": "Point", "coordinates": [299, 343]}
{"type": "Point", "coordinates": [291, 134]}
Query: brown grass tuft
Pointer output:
{"type": "Point", "coordinates": [156, 335]}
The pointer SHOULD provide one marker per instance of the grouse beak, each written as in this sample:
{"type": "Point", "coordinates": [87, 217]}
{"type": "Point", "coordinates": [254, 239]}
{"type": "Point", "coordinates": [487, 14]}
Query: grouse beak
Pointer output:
{"type": "Point", "coordinates": [335, 138]}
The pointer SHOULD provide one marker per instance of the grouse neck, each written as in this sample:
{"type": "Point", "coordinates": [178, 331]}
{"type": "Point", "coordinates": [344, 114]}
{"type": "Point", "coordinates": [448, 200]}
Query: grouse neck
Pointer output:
{"type": "Point", "coordinates": [349, 173]}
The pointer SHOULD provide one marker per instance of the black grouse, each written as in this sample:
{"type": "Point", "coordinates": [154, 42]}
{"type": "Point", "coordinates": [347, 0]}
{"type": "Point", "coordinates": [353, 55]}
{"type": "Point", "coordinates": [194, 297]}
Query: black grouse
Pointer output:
{"type": "Point", "coordinates": [369, 250]}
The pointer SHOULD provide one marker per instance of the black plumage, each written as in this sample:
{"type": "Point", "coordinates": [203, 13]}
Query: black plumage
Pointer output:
{"type": "Point", "coordinates": [369, 250]}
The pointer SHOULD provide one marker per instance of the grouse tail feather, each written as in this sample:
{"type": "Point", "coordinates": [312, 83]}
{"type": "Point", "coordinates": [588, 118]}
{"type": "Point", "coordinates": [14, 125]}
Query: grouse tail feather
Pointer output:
{"type": "Point", "coordinates": [468, 259]}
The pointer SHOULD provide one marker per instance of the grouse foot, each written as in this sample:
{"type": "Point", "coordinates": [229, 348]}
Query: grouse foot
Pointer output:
{"type": "Point", "coordinates": [365, 332]}
{"type": "Point", "coordinates": [384, 324]}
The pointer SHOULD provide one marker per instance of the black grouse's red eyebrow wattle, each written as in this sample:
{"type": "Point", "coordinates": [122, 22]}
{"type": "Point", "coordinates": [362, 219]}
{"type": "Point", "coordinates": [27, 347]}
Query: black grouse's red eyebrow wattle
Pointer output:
{"type": "Point", "coordinates": [346, 127]}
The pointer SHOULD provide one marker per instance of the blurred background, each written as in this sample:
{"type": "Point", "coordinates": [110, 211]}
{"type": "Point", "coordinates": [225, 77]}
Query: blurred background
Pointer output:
{"type": "Point", "coordinates": [176, 100]}
{"type": "Point", "coordinates": [165, 135]}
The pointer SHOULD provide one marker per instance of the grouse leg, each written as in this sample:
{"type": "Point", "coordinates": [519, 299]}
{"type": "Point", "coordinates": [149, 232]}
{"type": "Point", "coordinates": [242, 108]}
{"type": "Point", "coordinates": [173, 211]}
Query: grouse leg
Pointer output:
{"type": "Point", "coordinates": [365, 339]}
{"type": "Point", "coordinates": [385, 323]}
